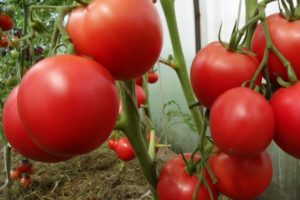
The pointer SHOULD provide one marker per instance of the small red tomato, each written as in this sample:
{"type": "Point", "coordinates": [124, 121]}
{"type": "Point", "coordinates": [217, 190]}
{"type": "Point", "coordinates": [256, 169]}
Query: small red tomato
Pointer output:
{"type": "Point", "coordinates": [24, 166]}
{"type": "Point", "coordinates": [112, 143]}
{"type": "Point", "coordinates": [124, 150]}
{"type": "Point", "coordinates": [14, 174]}
{"type": "Point", "coordinates": [26, 181]}
{"type": "Point", "coordinates": [152, 77]}
{"type": "Point", "coordinates": [140, 95]}
{"type": "Point", "coordinates": [4, 41]}
{"type": "Point", "coordinates": [6, 23]}
{"type": "Point", "coordinates": [138, 81]}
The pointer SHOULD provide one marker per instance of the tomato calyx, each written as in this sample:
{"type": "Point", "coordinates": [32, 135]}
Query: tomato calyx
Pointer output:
{"type": "Point", "coordinates": [289, 11]}
{"type": "Point", "coordinates": [191, 167]}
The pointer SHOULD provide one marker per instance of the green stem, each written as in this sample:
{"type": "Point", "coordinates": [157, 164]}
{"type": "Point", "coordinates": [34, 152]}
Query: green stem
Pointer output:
{"type": "Point", "coordinates": [147, 104]}
{"type": "Point", "coordinates": [251, 8]}
{"type": "Point", "coordinates": [131, 127]}
{"type": "Point", "coordinates": [291, 73]}
{"type": "Point", "coordinates": [7, 161]}
{"type": "Point", "coordinates": [54, 40]}
{"type": "Point", "coordinates": [197, 17]}
{"type": "Point", "coordinates": [181, 70]}
{"type": "Point", "coordinates": [260, 68]}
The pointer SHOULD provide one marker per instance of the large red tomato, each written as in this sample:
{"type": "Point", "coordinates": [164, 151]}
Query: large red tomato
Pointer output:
{"type": "Point", "coordinates": [242, 178]}
{"type": "Point", "coordinates": [17, 136]}
{"type": "Point", "coordinates": [174, 183]}
{"type": "Point", "coordinates": [124, 36]}
{"type": "Point", "coordinates": [215, 70]}
{"type": "Point", "coordinates": [285, 103]}
{"type": "Point", "coordinates": [242, 122]}
{"type": "Point", "coordinates": [68, 104]}
{"type": "Point", "coordinates": [285, 36]}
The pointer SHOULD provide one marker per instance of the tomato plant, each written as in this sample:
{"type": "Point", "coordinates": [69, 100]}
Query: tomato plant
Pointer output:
{"type": "Point", "coordinates": [17, 136]}
{"type": "Point", "coordinates": [242, 178]}
{"type": "Point", "coordinates": [175, 183]}
{"type": "Point", "coordinates": [129, 47]}
{"type": "Point", "coordinates": [124, 150]}
{"type": "Point", "coordinates": [77, 100]}
{"type": "Point", "coordinates": [238, 125]}
{"type": "Point", "coordinates": [285, 36]}
{"type": "Point", "coordinates": [287, 128]}
{"type": "Point", "coordinates": [215, 70]}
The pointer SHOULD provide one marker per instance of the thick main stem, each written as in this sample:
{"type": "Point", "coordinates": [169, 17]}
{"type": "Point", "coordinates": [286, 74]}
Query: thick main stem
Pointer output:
{"type": "Point", "coordinates": [131, 127]}
{"type": "Point", "coordinates": [251, 9]}
{"type": "Point", "coordinates": [181, 70]}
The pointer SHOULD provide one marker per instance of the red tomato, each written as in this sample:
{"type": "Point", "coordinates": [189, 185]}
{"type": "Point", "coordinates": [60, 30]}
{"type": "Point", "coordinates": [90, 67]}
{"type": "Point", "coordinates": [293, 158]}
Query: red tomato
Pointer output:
{"type": "Point", "coordinates": [152, 77]}
{"type": "Point", "coordinates": [285, 103]}
{"type": "Point", "coordinates": [242, 178]}
{"type": "Point", "coordinates": [285, 36]}
{"type": "Point", "coordinates": [124, 36]}
{"type": "Point", "coordinates": [4, 41]}
{"type": "Point", "coordinates": [215, 70]}
{"type": "Point", "coordinates": [174, 183]}
{"type": "Point", "coordinates": [138, 81]}
{"type": "Point", "coordinates": [18, 137]}
{"type": "Point", "coordinates": [14, 174]}
{"type": "Point", "coordinates": [68, 104]}
{"type": "Point", "coordinates": [26, 181]}
{"type": "Point", "coordinates": [6, 23]}
{"type": "Point", "coordinates": [140, 95]}
{"type": "Point", "coordinates": [112, 143]}
{"type": "Point", "coordinates": [242, 122]}
{"type": "Point", "coordinates": [24, 166]}
{"type": "Point", "coordinates": [124, 150]}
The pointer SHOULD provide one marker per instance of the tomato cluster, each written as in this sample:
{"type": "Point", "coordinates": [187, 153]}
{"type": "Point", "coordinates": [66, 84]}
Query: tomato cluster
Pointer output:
{"type": "Point", "coordinates": [23, 172]}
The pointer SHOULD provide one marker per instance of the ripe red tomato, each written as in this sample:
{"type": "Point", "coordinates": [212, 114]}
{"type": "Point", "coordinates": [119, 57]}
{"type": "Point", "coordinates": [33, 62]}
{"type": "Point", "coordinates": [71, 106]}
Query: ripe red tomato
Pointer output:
{"type": "Point", "coordinates": [124, 36]}
{"type": "Point", "coordinates": [124, 150]}
{"type": "Point", "coordinates": [26, 181]}
{"type": "Point", "coordinates": [6, 23]}
{"type": "Point", "coordinates": [138, 81]}
{"type": "Point", "coordinates": [24, 166]}
{"type": "Point", "coordinates": [4, 41]}
{"type": "Point", "coordinates": [242, 178]}
{"type": "Point", "coordinates": [112, 143]}
{"type": "Point", "coordinates": [242, 122]}
{"type": "Point", "coordinates": [285, 36]}
{"type": "Point", "coordinates": [174, 183]}
{"type": "Point", "coordinates": [152, 77]}
{"type": "Point", "coordinates": [140, 95]}
{"type": "Point", "coordinates": [68, 104]}
{"type": "Point", "coordinates": [14, 174]}
{"type": "Point", "coordinates": [215, 70]}
{"type": "Point", "coordinates": [285, 103]}
{"type": "Point", "coordinates": [18, 137]}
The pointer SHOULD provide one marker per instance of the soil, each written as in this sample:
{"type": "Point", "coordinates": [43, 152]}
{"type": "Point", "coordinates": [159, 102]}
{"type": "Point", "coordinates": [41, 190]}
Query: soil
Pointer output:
{"type": "Point", "coordinates": [95, 176]}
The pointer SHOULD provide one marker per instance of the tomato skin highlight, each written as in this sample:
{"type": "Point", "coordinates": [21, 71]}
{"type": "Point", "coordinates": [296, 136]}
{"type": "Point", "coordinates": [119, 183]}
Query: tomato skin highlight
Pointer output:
{"type": "Point", "coordinates": [14, 174]}
{"type": "Point", "coordinates": [68, 104]}
{"type": "Point", "coordinates": [17, 136]}
{"type": "Point", "coordinates": [215, 70]}
{"type": "Point", "coordinates": [152, 77]}
{"type": "Point", "coordinates": [132, 43]}
{"type": "Point", "coordinates": [285, 36]}
{"type": "Point", "coordinates": [124, 150]}
{"type": "Point", "coordinates": [112, 143]}
{"type": "Point", "coordinates": [242, 122]}
{"type": "Point", "coordinates": [285, 103]}
{"type": "Point", "coordinates": [175, 184]}
{"type": "Point", "coordinates": [242, 178]}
